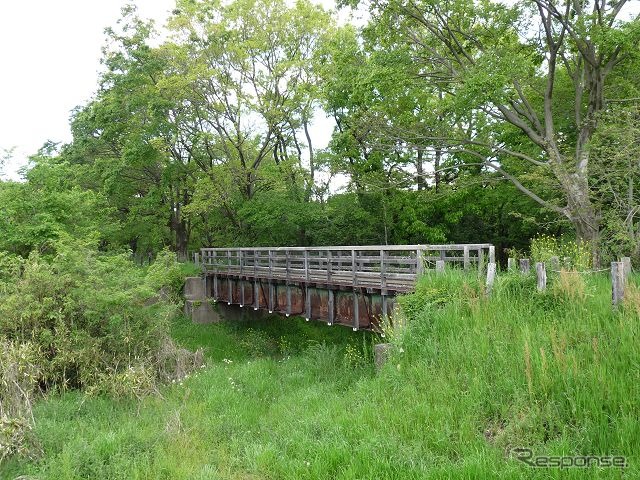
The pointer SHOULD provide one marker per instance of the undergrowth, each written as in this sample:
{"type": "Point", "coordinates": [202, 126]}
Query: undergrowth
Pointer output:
{"type": "Point", "coordinates": [80, 319]}
{"type": "Point", "coordinates": [470, 377]}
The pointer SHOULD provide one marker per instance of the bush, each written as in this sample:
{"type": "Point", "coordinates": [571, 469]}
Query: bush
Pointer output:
{"type": "Point", "coordinates": [89, 314]}
{"type": "Point", "coordinates": [572, 254]}
{"type": "Point", "coordinates": [19, 376]}
{"type": "Point", "coordinates": [167, 275]}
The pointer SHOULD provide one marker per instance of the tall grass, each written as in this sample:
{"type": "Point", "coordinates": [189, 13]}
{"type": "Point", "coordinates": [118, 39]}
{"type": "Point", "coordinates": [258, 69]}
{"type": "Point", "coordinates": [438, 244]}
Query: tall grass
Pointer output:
{"type": "Point", "coordinates": [469, 379]}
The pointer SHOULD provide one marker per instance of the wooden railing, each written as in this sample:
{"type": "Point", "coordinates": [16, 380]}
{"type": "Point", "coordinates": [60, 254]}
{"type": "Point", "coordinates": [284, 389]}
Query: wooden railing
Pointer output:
{"type": "Point", "coordinates": [385, 267]}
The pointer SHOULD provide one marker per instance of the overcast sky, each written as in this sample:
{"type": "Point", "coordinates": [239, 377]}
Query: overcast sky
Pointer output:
{"type": "Point", "coordinates": [49, 58]}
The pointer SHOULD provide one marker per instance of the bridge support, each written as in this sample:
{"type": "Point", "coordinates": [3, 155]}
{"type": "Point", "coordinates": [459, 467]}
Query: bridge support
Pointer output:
{"type": "Point", "coordinates": [349, 307]}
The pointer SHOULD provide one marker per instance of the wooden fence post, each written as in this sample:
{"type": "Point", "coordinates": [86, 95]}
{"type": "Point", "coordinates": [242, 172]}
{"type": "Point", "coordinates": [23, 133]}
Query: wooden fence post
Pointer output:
{"type": "Point", "coordinates": [524, 265]}
{"type": "Point", "coordinates": [465, 258]}
{"type": "Point", "coordinates": [381, 353]}
{"type": "Point", "coordinates": [626, 266]}
{"type": "Point", "coordinates": [617, 283]}
{"type": "Point", "coordinates": [541, 273]}
{"type": "Point", "coordinates": [491, 276]}
{"type": "Point", "coordinates": [492, 254]}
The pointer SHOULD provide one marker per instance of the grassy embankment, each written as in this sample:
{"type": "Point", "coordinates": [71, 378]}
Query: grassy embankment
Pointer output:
{"type": "Point", "coordinates": [470, 379]}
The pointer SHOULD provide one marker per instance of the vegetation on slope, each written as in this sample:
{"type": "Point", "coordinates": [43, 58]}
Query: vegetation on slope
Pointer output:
{"type": "Point", "coordinates": [87, 320]}
{"type": "Point", "coordinates": [469, 379]}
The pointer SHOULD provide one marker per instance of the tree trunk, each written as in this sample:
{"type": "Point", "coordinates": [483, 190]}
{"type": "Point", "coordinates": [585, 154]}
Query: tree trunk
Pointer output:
{"type": "Point", "coordinates": [179, 228]}
{"type": "Point", "coordinates": [420, 170]}
{"type": "Point", "coordinates": [582, 212]}
{"type": "Point", "coordinates": [436, 166]}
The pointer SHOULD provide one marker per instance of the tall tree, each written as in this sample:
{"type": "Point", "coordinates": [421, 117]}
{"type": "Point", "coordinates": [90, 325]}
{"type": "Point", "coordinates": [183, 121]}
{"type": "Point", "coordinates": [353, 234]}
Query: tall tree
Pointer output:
{"type": "Point", "coordinates": [527, 82]}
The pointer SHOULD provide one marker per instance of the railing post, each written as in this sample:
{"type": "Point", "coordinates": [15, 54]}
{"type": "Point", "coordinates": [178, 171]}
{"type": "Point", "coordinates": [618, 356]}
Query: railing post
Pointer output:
{"type": "Point", "coordinates": [196, 259]}
{"type": "Point", "coordinates": [307, 291]}
{"type": "Point", "coordinates": [439, 266]}
{"type": "Point", "coordinates": [288, 275]}
{"type": "Point", "coordinates": [271, 290]}
{"type": "Point", "coordinates": [353, 268]}
{"type": "Point", "coordinates": [328, 266]}
{"type": "Point", "coordinates": [492, 254]}
{"type": "Point", "coordinates": [255, 263]}
{"type": "Point", "coordinates": [466, 261]}
{"type": "Point", "coordinates": [241, 279]}
{"type": "Point", "coordinates": [287, 263]}
{"type": "Point", "coordinates": [419, 262]}
{"type": "Point", "coordinates": [383, 271]}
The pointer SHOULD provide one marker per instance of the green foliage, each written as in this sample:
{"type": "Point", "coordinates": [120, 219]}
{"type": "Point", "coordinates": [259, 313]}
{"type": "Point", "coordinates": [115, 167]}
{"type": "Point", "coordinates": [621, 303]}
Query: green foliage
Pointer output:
{"type": "Point", "coordinates": [469, 378]}
{"type": "Point", "coordinates": [167, 274]}
{"type": "Point", "coordinates": [435, 291]}
{"type": "Point", "coordinates": [35, 215]}
{"type": "Point", "coordinates": [19, 375]}
{"type": "Point", "coordinates": [90, 314]}
{"type": "Point", "coordinates": [571, 254]}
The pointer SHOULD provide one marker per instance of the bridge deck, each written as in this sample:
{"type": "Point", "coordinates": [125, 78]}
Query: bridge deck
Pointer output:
{"type": "Point", "coordinates": [384, 267]}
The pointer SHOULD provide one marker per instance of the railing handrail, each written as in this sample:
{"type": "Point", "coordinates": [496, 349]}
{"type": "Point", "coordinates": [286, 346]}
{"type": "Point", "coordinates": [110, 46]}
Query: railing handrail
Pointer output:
{"type": "Point", "coordinates": [360, 248]}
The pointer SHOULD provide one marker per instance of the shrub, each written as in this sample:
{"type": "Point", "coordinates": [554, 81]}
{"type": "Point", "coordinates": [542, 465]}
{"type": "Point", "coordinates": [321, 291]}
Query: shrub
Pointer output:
{"type": "Point", "coordinates": [167, 274]}
{"type": "Point", "coordinates": [572, 254]}
{"type": "Point", "coordinates": [89, 314]}
{"type": "Point", "coordinates": [19, 376]}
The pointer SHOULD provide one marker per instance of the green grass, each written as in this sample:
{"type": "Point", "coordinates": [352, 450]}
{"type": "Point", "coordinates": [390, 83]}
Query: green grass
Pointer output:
{"type": "Point", "coordinates": [469, 379]}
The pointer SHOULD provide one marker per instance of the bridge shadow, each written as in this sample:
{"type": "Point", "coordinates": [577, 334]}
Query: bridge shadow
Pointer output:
{"type": "Point", "coordinates": [266, 336]}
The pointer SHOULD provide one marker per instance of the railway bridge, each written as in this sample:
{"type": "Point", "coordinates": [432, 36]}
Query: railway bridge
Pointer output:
{"type": "Point", "coordinates": [347, 285]}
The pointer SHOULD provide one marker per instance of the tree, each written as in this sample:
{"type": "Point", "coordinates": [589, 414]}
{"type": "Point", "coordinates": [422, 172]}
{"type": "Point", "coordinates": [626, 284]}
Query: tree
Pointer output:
{"type": "Point", "coordinates": [527, 83]}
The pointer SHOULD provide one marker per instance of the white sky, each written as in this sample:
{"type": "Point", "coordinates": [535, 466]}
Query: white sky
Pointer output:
{"type": "Point", "coordinates": [49, 59]}
{"type": "Point", "coordinates": [49, 62]}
